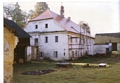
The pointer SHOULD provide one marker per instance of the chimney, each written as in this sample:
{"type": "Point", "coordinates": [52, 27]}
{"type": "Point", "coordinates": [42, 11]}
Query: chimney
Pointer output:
{"type": "Point", "coordinates": [69, 19]}
{"type": "Point", "coordinates": [62, 12]}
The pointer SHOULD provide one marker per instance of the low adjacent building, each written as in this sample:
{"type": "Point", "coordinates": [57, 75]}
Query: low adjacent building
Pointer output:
{"type": "Point", "coordinates": [107, 42]}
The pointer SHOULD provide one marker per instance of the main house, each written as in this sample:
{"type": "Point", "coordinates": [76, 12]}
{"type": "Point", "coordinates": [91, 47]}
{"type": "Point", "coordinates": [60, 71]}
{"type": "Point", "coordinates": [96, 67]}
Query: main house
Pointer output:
{"type": "Point", "coordinates": [58, 38]}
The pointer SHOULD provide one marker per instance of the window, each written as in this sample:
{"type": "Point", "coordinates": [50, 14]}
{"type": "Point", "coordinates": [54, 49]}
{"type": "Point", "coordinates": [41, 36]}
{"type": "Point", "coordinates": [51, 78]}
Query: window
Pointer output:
{"type": "Point", "coordinates": [72, 27]}
{"type": "Point", "coordinates": [36, 41]}
{"type": "Point", "coordinates": [71, 39]}
{"type": "Point", "coordinates": [55, 54]}
{"type": "Point", "coordinates": [41, 54]}
{"type": "Point", "coordinates": [76, 40]}
{"type": "Point", "coordinates": [84, 40]}
{"type": "Point", "coordinates": [36, 26]}
{"type": "Point", "coordinates": [46, 25]}
{"type": "Point", "coordinates": [56, 38]}
{"type": "Point", "coordinates": [46, 39]}
{"type": "Point", "coordinates": [72, 53]}
{"type": "Point", "coordinates": [64, 53]}
{"type": "Point", "coordinates": [76, 52]}
{"type": "Point", "coordinates": [114, 46]}
{"type": "Point", "coordinates": [80, 40]}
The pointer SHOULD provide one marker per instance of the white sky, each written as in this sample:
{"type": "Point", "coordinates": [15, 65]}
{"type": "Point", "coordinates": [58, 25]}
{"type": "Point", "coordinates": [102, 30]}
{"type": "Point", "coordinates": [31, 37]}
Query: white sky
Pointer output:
{"type": "Point", "coordinates": [102, 15]}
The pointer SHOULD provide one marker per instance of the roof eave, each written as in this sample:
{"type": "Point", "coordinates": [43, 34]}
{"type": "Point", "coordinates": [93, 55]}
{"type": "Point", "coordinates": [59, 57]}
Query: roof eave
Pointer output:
{"type": "Point", "coordinates": [10, 29]}
{"type": "Point", "coordinates": [40, 19]}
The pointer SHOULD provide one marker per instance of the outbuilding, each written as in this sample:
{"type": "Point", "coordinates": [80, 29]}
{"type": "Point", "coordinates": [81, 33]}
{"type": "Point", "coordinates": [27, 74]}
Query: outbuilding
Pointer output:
{"type": "Point", "coordinates": [12, 34]}
{"type": "Point", "coordinates": [107, 42]}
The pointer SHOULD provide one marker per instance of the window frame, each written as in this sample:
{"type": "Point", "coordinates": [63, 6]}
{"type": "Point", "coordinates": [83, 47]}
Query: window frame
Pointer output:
{"type": "Point", "coordinates": [56, 38]}
{"type": "Point", "coordinates": [56, 54]}
{"type": "Point", "coordinates": [41, 54]}
{"type": "Point", "coordinates": [46, 39]}
{"type": "Point", "coordinates": [36, 41]}
{"type": "Point", "coordinates": [36, 26]}
{"type": "Point", "coordinates": [76, 40]}
{"type": "Point", "coordinates": [46, 25]}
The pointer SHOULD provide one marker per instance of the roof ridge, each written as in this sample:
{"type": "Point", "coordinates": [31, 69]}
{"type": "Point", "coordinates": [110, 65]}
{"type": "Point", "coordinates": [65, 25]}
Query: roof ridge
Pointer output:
{"type": "Point", "coordinates": [64, 19]}
{"type": "Point", "coordinates": [55, 20]}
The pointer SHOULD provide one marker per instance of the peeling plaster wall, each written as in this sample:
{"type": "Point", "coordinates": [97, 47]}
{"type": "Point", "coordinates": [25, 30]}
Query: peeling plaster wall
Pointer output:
{"type": "Point", "coordinates": [118, 47]}
{"type": "Point", "coordinates": [34, 53]}
{"type": "Point", "coordinates": [28, 54]}
{"type": "Point", "coordinates": [100, 48]}
{"type": "Point", "coordinates": [106, 39]}
{"type": "Point", "coordinates": [9, 45]}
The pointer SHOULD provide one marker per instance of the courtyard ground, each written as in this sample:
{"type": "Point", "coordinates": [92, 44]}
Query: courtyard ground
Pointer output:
{"type": "Point", "coordinates": [76, 73]}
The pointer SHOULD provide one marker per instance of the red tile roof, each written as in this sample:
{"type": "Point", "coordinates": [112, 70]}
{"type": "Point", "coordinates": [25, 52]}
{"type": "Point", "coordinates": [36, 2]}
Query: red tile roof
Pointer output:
{"type": "Point", "coordinates": [63, 22]}
{"type": "Point", "coordinates": [44, 15]}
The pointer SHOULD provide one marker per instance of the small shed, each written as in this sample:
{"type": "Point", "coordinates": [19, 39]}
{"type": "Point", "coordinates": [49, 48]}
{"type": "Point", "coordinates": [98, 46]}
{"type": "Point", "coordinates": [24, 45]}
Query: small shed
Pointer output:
{"type": "Point", "coordinates": [108, 41]}
{"type": "Point", "coordinates": [22, 42]}
{"type": "Point", "coordinates": [12, 34]}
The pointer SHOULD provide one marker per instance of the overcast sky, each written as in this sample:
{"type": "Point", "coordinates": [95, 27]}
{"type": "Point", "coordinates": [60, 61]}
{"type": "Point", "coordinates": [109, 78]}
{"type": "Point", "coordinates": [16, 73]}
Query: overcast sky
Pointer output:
{"type": "Point", "coordinates": [102, 16]}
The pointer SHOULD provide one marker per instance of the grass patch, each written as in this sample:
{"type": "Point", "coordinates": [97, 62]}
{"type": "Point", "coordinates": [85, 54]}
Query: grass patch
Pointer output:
{"type": "Point", "coordinates": [75, 74]}
{"type": "Point", "coordinates": [88, 65]}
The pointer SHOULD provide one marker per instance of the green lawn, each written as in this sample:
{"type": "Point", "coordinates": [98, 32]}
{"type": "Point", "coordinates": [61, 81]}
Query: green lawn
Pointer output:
{"type": "Point", "coordinates": [73, 74]}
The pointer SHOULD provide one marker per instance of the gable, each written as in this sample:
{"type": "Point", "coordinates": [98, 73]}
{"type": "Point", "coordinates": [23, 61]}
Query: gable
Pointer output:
{"type": "Point", "coordinates": [44, 15]}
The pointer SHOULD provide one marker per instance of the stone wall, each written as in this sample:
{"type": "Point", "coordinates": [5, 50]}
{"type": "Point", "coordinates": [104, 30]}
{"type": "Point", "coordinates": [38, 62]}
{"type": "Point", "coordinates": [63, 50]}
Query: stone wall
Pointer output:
{"type": "Point", "coordinates": [9, 45]}
{"type": "Point", "coordinates": [106, 39]}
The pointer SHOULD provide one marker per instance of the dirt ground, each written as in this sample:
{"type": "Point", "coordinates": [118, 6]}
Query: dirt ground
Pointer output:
{"type": "Point", "coordinates": [37, 72]}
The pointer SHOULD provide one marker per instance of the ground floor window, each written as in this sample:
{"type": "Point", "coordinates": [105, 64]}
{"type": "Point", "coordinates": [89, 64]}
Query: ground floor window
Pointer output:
{"type": "Point", "coordinates": [76, 53]}
{"type": "Point", "coordinates": [64, 53]}
{"type": "Point", "coordinates": [36, 41]}
{"type": "Point", "coordinates": [55, 54]}
{"type": "Point", "coordinates": [41, 54]}
{"type": "Point", "coordinates": [72, 53]}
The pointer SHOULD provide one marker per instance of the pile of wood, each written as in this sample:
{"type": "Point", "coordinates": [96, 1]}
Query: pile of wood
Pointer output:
{"type": "Point", "coordinates": [21, 61]}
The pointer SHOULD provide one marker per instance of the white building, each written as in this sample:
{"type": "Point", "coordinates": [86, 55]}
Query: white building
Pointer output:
{"type": "Point", "coordinates": [57, 37]}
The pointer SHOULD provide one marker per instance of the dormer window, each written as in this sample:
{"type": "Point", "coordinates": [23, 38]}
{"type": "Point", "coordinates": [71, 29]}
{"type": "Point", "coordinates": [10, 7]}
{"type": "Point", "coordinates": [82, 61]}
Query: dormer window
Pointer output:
{"type": "Point", "coordinates": [36, 26]}
{"type": "Point", "coordinates": [46, 25]}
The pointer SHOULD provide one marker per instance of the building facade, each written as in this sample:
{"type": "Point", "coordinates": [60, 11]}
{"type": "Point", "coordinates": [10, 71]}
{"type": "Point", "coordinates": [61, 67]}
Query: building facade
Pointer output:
{"type": "Point", "coordinates": [58, 38]}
